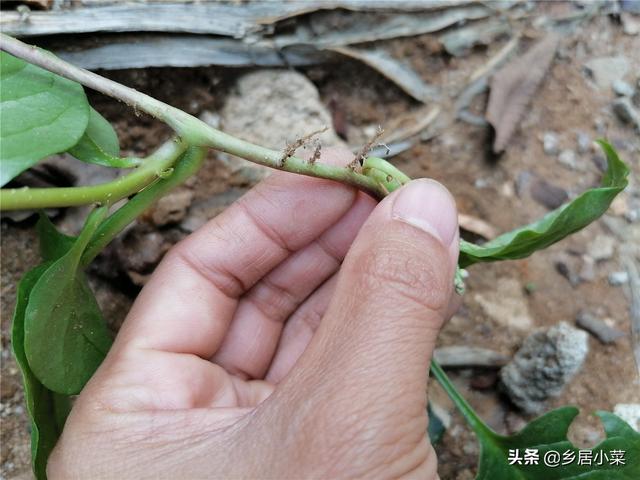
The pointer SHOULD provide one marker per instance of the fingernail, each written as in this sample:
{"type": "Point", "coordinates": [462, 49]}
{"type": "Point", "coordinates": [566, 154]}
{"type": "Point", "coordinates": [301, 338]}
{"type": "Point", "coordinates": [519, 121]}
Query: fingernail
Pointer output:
{"type": "Point", "coordinates": [427, 205]}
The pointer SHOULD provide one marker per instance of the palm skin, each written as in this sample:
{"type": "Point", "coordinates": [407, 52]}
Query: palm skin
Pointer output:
{"type": "Point", "coordinates": [288, 338]}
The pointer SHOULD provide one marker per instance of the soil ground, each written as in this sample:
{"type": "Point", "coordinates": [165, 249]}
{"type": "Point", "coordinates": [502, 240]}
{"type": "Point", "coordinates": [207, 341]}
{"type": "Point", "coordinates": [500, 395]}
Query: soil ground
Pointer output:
{"type": "Point", "coordinates": [566, 103]}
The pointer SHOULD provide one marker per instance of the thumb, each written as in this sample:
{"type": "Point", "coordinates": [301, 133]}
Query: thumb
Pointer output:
{"type": "Point", "coordinates": [368, 362]}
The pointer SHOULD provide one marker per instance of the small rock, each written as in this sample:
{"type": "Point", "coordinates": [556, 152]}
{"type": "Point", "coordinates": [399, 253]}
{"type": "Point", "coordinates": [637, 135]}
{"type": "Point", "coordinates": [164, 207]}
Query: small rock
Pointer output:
{"type": "Point", "coordinates": [550, 143]}
{"type": "Point", "coordinates": [568, 159]}
{"type": "Point", "coordinates": [587, 271]}
{"type": "Point", "coordinates": [507, 305]}
{"type": "Point", "coordinates": [598, 328]}
{"type": "Point", "coordinates": [630, 413]}
{"type": "Point", "coordinates": [623, 89]}
{"type": "Point", "coordinates": [547, 194]}
{"type": "Point", "coordinates": [606, 70]}
{"type": "Point", "coordinates": [171, 208]}
{"type": "Point", "coordinates": [584, 142]}
{"type": "Point", "coordinates": [544, 365]}
{"type": "Point", "coordinates": [630, 26]}
{"type": "Point", "coordinates": [210, 118]}
{"type": "Point", "coordinates": [618, 278]}
{"type": "Point", "coordinates": [601, 248]}
{"type": "Point", "coordinates": [626, 112]}
{"type": "Point", "coordinates": [568, 266]}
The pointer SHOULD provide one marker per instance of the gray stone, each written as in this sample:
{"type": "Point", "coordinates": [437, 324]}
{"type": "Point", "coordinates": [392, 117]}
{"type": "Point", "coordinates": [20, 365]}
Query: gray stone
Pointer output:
{"type": "Point", "coordinates": [171, 208]}
{"type": "Point", "coordinates": [584, 142]}
{"type": "Point", "coordinates": [544, 365]}
{"type": "Point", "coordinates": [623, 89]}
{"type": "Point", "coordinates": [606, 70]}
{"type": "Point", "coordinates": [568, 159]}
{"type": "Point", "coordinates": [550, 143]}
{"type": "Point", "coordinates": [626, 112]}
{"type": "Point", "coordinates": [273, 108]}
{"type": "Point", "coordinates": [602, 247]}
{"type": "Point", "coordinates": [598, 328]}
{"type": "Point", "coordinates": [618, 278]}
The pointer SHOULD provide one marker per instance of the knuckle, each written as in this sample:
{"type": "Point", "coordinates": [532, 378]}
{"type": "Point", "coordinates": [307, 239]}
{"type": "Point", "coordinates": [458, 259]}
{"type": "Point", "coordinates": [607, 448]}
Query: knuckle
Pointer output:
{"type": "Point", "coordinates": [399, 269]}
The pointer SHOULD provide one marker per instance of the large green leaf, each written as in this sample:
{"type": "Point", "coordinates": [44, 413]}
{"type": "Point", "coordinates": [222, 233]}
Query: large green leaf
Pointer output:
{"type": "Point", "coordinates": [42, 114]}
{"type": "Point", "coordinates": [99, 144]}
{"type": "Point", "coordinates": [47, 410]}
{"type": "Point", "coordinates": [556, 225]}
{"type": "Point", "coordinates": [66, 338]}
{"type": "Point", "coordinates": [544, 442]}
{"type": "Point", "coordinates": [554, 457]}
{"type": "Point", "coordinates": [53, 244]}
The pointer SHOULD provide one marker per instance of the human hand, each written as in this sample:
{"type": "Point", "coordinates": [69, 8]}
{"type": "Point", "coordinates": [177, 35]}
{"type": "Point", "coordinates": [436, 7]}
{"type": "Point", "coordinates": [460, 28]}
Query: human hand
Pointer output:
{"type": "Point", "coordinates": [249, 355]}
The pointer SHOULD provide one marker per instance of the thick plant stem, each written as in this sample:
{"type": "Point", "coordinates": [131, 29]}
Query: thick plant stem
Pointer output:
{"type": "Point", "coordinates": [191, 130]}
{"type": "Point", "coordinates": [110, 192]}
{"type": "Point", "coordinates": [186, 166]}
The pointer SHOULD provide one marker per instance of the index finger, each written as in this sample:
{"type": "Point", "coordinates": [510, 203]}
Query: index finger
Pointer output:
{"type": "Point", "coordinates": [191, 298]}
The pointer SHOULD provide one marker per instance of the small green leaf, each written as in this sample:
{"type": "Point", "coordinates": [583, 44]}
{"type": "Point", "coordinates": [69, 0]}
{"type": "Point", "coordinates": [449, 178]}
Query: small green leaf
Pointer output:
{"type": "Point", "coordinates": [47, 410]}
{"type": "Point", "coordinates": [42, 114]}
{"type": "Point", "coordinates": [53, 244]}
{"type": "Point", "coordinates": [556, 225]}
{"type": "Point", "coordinates": [551, 455]}
{"type": "Point", "coordinates": [66, 338]}
{"type": "Point", "coordinates": [99, 144]}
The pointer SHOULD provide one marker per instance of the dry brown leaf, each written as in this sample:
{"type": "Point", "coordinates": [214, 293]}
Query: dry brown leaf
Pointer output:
{"type": "Point", "coordinates": [513, 86]}
{"type": "Point", "coordinates": [476, 225]}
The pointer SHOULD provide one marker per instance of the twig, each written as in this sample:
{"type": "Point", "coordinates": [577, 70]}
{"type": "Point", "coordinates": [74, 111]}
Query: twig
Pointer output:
{"type": "Point", "coordinates": [190, 129]}
{"type": "Point", "coordinates": [361, 154]}
{"type": "Point", "coordinates": [291, 148]}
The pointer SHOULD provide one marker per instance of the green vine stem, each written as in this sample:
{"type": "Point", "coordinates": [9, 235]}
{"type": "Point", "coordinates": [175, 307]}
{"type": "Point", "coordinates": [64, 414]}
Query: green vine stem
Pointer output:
{"type": "Point", "coordinates": [190, 129]}
{"type": "Point", "coordinates": [185, 167]}
{"type": "Point", "coordinates": [153, 167]}
{"type": "Point", "coordinates": [461, 404]}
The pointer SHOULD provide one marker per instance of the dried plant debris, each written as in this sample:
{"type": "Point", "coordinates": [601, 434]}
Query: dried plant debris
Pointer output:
{"type": "Point", "coordinates": [398, 72]}
{"type": "Point", "coordinates": [513, 87]}
{"type": "Point", "coordinates": [460, 41]}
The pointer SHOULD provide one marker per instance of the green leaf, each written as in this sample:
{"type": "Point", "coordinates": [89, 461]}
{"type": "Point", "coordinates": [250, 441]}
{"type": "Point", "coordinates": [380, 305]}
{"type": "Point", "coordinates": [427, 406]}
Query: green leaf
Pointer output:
{"type": "Point", "coordinates": [99, 144]}
{"type": "Point", "coordinates": [557, 224]}
{"type": "Point", "coordinates": [47, 410]}
{"type": "Point", "coordinates": [66, 338]}
{"type": "Point", "coordinates": [53, 244]}
{"type": "Point", "coordinates": [547, 436]}
{"type": "Point", "coordinates": [42, 114]}
{"type": "Point", "coordinates": [502, 458]}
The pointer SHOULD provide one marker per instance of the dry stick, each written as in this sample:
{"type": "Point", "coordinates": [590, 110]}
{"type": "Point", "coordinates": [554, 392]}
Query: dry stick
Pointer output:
{"type": "Point", "coordinates": [361, 154]}
{"type": "Point", "coordinates": [191, 130]}
{"type": "Point", "coordinates": [291, 148]}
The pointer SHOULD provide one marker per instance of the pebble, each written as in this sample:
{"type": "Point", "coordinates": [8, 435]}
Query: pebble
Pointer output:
{"type": "Point", "coordinates": [598, 328]}
{"type": "Point", "coordinates": [625, 111]}
{"type": "Point", "coordinates": [544, 365]}
{"type": "Point", "coordinates": [584, 142]}
{"type": "Point", "coordinates": [618, 278]}
{"type": "Point", "coordinates": [550, 143]}
{"type": "Point", "coordinates": [606, 70]}
{"type": "Point", "coordinates": [622, 88]}
{"type": "Point", "coordinates": [171, 208]}
{"type": "Point", "coordinates": [547, 194]}
{"type": "Point", "coordinates": [468, 356]}
{"type": "Point", "coordinates": [568, 158]}
{"type": "Point", "coordinates": [602, 247]}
